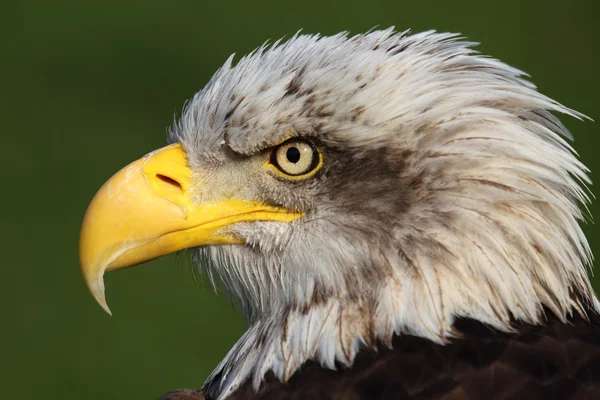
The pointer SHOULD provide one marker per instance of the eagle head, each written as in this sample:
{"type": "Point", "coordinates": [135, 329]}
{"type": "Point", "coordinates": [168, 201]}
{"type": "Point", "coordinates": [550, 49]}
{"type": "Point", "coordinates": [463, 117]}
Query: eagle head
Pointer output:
{"type": "Point", "coordinates": [348, 189]}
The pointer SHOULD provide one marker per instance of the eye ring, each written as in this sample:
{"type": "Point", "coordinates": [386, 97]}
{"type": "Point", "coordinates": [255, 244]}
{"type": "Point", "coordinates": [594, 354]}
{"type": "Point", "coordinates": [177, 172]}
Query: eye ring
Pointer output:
{"type": "Point", "coordinates": [296, 158]}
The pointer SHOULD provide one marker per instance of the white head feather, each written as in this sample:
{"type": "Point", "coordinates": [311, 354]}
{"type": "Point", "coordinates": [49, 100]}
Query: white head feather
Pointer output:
{"type": "Point", "coordinates": [474, 212]}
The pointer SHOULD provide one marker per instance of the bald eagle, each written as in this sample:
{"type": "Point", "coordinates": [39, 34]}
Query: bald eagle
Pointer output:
{"type": "Point", "coordinates": [396, 215]}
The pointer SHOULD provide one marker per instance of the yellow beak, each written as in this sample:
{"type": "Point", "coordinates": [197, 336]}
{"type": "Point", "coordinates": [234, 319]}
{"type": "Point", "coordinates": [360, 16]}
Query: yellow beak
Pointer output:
{"type": "Point", "coordinates": [146, 210]}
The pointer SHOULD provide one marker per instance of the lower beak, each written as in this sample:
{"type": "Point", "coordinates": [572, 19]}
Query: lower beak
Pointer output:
{"type": "Point", "coordinates": [146, 210]}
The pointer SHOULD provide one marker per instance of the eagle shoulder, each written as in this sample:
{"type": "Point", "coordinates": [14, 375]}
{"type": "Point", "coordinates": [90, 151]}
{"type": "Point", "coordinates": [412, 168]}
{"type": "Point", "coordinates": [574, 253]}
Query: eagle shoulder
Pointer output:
{"type": "Point", "coordinates": [556, 360]}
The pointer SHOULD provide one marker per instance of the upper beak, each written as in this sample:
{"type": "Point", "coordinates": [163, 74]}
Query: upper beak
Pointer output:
{"type": "Point", "coordinates": [146, 210]}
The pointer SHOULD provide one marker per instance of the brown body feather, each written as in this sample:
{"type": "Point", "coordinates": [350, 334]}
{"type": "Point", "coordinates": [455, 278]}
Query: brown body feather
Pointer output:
{"type": "Point", "coordinates": [554, 361]}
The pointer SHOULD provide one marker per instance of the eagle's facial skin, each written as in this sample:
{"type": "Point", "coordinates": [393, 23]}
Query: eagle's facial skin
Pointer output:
{"type": "Point", "coordinates": [445, 188]}
{"type": "Point", "coordinates": [349, 205]}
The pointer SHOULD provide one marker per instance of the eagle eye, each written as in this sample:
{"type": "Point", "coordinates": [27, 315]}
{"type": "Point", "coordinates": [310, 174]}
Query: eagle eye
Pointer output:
{"type": "Point", "coordinates": [296, 158]}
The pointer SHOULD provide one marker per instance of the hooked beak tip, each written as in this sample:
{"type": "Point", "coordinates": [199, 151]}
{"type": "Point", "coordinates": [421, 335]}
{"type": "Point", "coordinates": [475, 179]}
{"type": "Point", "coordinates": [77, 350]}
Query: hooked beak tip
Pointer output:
{"type": "Point", "coordinates": [96, 287]}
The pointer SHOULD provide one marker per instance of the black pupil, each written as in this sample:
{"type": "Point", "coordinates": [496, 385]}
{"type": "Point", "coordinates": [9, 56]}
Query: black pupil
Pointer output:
{"type": "Point", "coordinates": [293, 155]}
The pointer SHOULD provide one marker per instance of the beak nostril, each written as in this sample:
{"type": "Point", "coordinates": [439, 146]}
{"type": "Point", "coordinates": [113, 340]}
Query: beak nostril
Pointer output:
{"type": "Point", "coordinates": [168, 183]}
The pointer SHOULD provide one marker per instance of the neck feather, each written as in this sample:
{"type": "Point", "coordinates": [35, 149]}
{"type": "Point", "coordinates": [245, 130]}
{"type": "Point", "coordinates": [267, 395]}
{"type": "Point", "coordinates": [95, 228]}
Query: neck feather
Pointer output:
{"type": "Point", "coordinates": [333, 331]}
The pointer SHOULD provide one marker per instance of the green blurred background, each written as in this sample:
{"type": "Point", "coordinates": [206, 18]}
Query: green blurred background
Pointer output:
{"type": "Point", "coordinates": [87, 87]}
